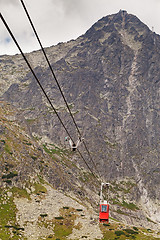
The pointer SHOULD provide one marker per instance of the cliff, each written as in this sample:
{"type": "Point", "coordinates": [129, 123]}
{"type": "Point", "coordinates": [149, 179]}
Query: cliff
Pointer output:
{"type": "Point", "coordinates": [110, 78]}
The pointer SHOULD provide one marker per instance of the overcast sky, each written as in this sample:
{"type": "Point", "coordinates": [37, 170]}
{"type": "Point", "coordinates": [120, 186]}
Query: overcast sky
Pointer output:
{"type": "Point", "coordinates": [62, 20]}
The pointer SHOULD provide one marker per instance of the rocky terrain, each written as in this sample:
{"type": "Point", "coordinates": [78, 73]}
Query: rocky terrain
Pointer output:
{"type": "Point", "coordinates": [110, 78]}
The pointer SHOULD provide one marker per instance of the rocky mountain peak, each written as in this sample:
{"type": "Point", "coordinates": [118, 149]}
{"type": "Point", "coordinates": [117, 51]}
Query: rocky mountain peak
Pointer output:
{"type": "Point", "coordinates": [110, 78]}
{"type": "Point", "coordinates": [122, 27]}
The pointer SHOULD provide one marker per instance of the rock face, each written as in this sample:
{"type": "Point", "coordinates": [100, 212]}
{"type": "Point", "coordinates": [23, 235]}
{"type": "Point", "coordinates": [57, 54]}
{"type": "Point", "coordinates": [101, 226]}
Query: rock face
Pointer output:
{"type": "Point", "coordinates": [110, 77]}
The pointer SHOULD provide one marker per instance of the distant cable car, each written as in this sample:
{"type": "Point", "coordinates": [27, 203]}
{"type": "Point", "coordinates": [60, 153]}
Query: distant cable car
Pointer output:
{"type": "Point", "coordinates": [74, 146]}
{"type": "Point", "coordinates": [103, 206]}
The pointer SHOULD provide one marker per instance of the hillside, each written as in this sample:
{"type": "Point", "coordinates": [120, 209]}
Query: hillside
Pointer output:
{"type": "Point", "coordinates": [110, 78]}
{"type": "Point", "coordinates": [40, 200]}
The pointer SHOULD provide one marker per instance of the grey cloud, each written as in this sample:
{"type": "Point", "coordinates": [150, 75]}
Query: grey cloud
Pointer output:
{"type": "Point", "coordinates": [70, 6]}
{"type": "Point", "coordinates": [6, 2]}
{"type": "Point", "coordinates": [62, 20]}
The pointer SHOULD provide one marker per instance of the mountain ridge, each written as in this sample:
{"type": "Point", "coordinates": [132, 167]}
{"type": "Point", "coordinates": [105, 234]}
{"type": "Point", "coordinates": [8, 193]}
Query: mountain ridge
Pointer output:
{"type": "Point", "coordinates": [110, 77]}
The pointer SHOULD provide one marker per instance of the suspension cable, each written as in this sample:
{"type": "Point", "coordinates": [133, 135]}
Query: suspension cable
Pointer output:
{"type": "Point", "coordinates": [49, 64]}
{"type": "Point", "coordinates": [54, 76]}
{"type": "Point", "coordinates": [14, 39]}
{"type": "Point", "coordinates": [6, 25]}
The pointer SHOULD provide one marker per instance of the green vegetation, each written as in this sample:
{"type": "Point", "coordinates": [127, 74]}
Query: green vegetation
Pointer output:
{"type": "Point", "coordinates": [121, 212]}
{"type": "Point", "coordinates": [79, 210]}
{"type": "Point", "coordinates": [8, 218]}
{"type": "Point", "coordinates": [44, 215]}
{"type": "Point", "coordinates": [15, 227]}
{"type": "Point", "coordinates": [149, 220]}
{"type": "Point", "coordinates": [21, 193]}
{"type": "Point", "coordinates": [86, 177]}
{"type": "Point", "coordinates": [42, 181]}
{"type": "Point", "coordinates": [10, 175]}
{"type": "Point", "coordinates": [55, 150]}
{"type": "Point", "coordinates": [116, 231]}
{"type": "Point", "coordinates": [59, 218]}
{"type": "Point", "coordinates": [64, 224]}
{"type": "Point", "coordinates": [8, 181]}
{"type": "Point", "coordinates": [130, 206]}
{"type": "Point", "coordinates": [135, 228]}
{"type": "Point", "coordinates": [114, 219]}
{"type": "Point", "coordinates": [8, 149]}
{"type": "Point", "coordinates": [71, 105]}
{"type": "Point", "coordinates": [30, 121]}
{"type": "Point", "coordinates": [7, 177]}
{"type": "Point", "coordinates": [34, 158]}
{"type": "Point", "coordinates": [124, 204]}
{"type": "Point", "coordinates": [27, 143]}
{"type": "Point", "coordinates": [123, 186]}
{"type": "Point", "coordinates": [39, 188]}
{"type": "Point", "coordinates": [119, 233]}
{"type": "Point", "coordinates": [111, 145]}
{"type": "Point", "coordinates": [46, 149]}
{"type": "Point", "coordinates": [106, 224]}
{"type": "Point", "coordinates": [130, 231]}
{"type": "Point", "coordinates": [60, 155]}
{"type": "Point", "coordinates": [65, 207]}
{"type": "Point", "coordinates": [61, 225]}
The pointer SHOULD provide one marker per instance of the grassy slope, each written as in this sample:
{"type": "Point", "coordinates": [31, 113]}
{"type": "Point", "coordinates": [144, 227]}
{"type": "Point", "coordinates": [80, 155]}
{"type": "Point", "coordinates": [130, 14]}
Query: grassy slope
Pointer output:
{"type": "Point", "coordinates": [14, 142]}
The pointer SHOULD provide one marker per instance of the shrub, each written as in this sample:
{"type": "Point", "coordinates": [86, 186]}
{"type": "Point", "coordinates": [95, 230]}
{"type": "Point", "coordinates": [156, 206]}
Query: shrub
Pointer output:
{"type": "Point", "coordinates": [29, 144]}
{"type": "Point", "coordinates": [79, 210]}
{"type": "Point", "coordinates": [130, 231]}
{"type": "Point", "coordinates": [8, 181]}
{"type": "Point", "coordinates": [34, 158]}
{"type": "Point", "coordinates": [106, 224]}
{"type": "Point", "coordinates": [14, 227]}
{"type": "Point", "coordinates": [135, 228]}
{"type": "Point", "coordinates": [59, 218]}
{"type": "Point", "coordinates": [10, 175]}
{"type": "Point", "coordinates": [50, 236]}
{"type": "Point", "coordinates": [44, 215]}
{"type": "Point", "coordinates": [119, 233]}
{"type": "Point", "coordinates": [65, 207]}
{"type": "Point", "coordinates": [130, 206]}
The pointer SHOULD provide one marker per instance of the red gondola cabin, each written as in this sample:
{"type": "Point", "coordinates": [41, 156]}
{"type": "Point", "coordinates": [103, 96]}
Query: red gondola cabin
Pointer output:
{"type": "Point", "coordinates": [104, 212]}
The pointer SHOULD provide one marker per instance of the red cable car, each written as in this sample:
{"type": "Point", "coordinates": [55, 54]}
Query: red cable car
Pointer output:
{"type": "Point", "coordinates": [104, 212]}
{"type": "Point", "coordinates": [103, 206]}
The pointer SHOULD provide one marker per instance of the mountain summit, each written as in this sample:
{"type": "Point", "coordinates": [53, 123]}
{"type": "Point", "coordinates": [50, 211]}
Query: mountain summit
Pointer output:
{"type": "Point", "coordinates": [110, 77]}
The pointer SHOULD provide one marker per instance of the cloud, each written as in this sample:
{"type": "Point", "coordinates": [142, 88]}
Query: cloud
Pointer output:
{"type": "Point", "coordinates": [6, 2]}
{"type": "Point", "coordinates": [62, 20]}
{"type": "Point", "coordinates": [70, 6]}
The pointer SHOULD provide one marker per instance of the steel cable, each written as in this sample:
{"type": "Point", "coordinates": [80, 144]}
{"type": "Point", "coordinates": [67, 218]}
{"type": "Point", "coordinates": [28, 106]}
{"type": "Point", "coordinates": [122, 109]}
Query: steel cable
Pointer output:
{"type": "Point", "coordinates": [54, 76]}
{"type": "Point", "coordinates": [14, 39]}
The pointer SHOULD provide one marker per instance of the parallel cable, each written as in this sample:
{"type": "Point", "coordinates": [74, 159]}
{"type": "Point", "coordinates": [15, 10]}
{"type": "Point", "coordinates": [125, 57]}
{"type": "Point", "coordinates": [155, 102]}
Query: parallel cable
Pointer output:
{"type": "Point", "coordinates": [42, 48]}
{"type": "Point", "coordinates": [6, 25]}
{"type": "Point", "coordinates": [14, 39]}
{"type": "Point", "coordinates": [49, 65]}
